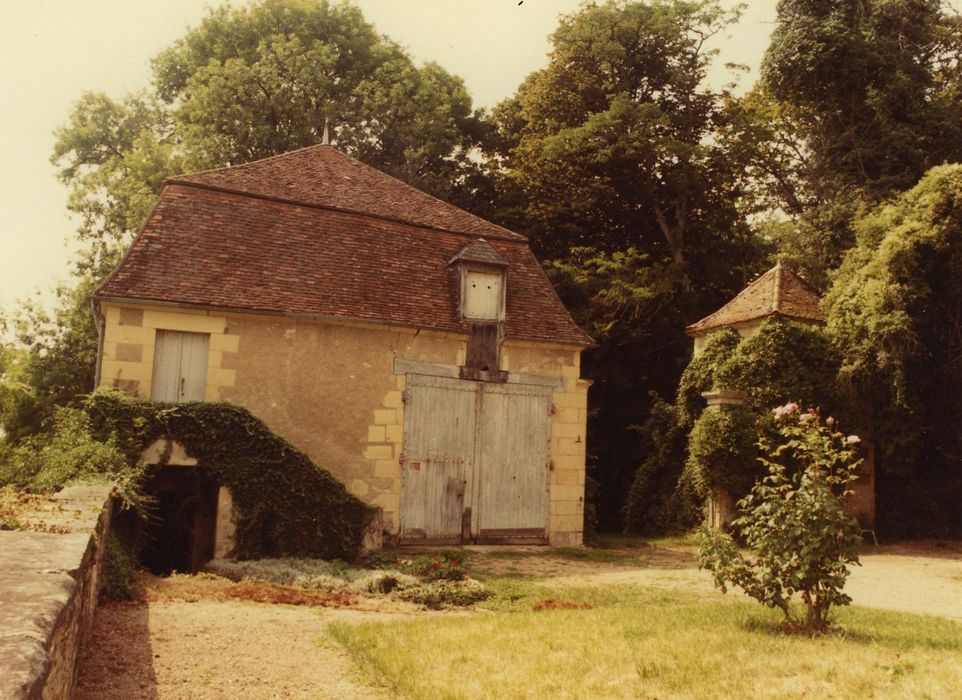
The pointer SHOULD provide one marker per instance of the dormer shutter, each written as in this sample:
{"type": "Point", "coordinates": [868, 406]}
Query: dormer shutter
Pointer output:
{"type": "Point", "coordinates": [483, 294]}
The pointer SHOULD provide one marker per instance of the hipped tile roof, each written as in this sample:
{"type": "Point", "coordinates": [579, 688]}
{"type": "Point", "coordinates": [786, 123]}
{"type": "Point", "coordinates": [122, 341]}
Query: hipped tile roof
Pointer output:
{"type": "Point", "coordinates": [323, 176]}
{"type": "Point", "coordinates": [777, 292]}
{"type": "Point", "coordinates": [211, 248]}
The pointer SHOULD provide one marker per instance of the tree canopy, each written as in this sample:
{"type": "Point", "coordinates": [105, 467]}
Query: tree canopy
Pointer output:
{"type": "Point", "coordinates": [255, 81]}
{"type": "Point", "coordinates": [615, 151]}
{"type": "Point", "coordinates": [857, 100]}
{"type": "Point", "coordinates": [895, 313]}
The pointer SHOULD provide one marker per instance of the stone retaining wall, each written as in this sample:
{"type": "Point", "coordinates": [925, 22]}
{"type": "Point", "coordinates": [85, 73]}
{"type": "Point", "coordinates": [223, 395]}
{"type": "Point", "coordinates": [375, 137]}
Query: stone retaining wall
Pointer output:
{"type": "Point", "coordinates": [49, 585]}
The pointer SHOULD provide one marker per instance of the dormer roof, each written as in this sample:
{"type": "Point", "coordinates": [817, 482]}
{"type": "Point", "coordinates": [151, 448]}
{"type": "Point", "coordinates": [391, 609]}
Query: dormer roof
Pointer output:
{"type": "Point", "coordinates": [480, 252]}
{"type": "Point", "coordinates": [778, 292]}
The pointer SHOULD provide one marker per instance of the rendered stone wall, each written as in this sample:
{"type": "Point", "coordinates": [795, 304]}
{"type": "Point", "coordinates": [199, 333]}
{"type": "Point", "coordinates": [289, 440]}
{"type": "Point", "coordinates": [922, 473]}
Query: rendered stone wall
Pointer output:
{"type": "Point", "coordinates": [49, 584]}
{"type": "Point", "coordinates": [128, 346]}
{"type": "Point", "coordinates": [331, 389]}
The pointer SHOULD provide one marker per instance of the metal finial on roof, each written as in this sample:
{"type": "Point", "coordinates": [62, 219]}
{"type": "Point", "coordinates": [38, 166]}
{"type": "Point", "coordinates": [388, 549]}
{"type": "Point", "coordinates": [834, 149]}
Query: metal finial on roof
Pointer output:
{"type": "Point", "coordinates": [326, 138]}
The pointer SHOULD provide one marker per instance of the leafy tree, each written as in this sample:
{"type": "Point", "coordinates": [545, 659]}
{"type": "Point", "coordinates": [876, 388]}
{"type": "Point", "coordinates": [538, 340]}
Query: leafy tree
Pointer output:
{"type": "Point", "coordinates": [857, 99]}
{"type": "Point", "coordinates": [894, 313]}
{"type": "Point", "coordinates": [794, 522]}
{"type": "Point", "coordinates": [246, 83]}
{"type": "Point", "coordinates": [875, 84]}
{"type": "Point", "coordinates": [796, 202]}
{"type": "Point", "coordinates": [610, 142]}
{"type": "Point", "coordinates": [113, 156]}
{"type": "Point", "coordinates": [51, 362]}
{"type": "Point", "coordinates": [256, 81]}
{"type": "Point", "coordinates": [613, 148]}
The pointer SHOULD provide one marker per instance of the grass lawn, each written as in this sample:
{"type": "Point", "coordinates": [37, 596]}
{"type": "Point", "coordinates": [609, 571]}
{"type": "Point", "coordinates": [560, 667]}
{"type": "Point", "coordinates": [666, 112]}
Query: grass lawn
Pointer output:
{"type": "Point", "coordinates": [650, 643]}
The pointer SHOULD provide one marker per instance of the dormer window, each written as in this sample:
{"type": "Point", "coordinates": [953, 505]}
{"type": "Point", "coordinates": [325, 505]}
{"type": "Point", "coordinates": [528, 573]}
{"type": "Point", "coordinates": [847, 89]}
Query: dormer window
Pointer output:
{"type": "Point", "coordinates": [482, 274]}
{"type": "Point", "coordinates": [481, 270]}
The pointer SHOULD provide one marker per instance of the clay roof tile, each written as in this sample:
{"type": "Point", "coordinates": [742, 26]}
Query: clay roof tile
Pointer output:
{"type": "Point", "coordinates": [323, 176]}
{"type": "Point", "coordinates": [211, 244]}
{"type": "Point", "coordinates": [480, 252]}
{"type": "Point", "coordinates": [780, 291]}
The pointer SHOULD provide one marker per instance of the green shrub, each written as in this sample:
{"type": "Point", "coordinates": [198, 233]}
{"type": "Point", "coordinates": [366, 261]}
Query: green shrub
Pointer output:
{"type": "Point", "coordinates": [312, 574]}
{"type": "Point", "coordinates": [11, 508]}
{"type": "Point", "coordinates": [435, 567]}
{"type": "Point", "coordinates": [119, 577]}
{"type": "Point", "coordinates": [784, 361]}
{"type": "Point", "coordinates": [284, 571]}
{"type": "Point", "coordinates": [656, 504]}
{"type": "Point", "coordinates": [721, 451]}
{"type": "Point", "coordinates": [699, 376]}
{"type": "Point", "coordinates": [441, 594]}
{"type": "Point", "coordinates": [67, 453]}
{"type": "Point", "coordinates": [794, 523]}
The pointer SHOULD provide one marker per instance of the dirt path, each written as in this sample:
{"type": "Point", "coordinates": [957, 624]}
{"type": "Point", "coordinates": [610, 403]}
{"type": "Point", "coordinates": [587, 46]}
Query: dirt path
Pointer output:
{"type": "Point", "coordinates": [187, 641]}
{"type": "Point", "coordinates": [923, 578]}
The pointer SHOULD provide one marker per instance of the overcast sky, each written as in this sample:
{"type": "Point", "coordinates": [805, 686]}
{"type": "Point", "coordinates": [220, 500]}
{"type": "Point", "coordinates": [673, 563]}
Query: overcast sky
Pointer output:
{"type": "Point", "coordinates": [51, 51]}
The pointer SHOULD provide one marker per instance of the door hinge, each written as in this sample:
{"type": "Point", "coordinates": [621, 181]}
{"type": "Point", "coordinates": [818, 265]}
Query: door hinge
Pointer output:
{"type": "Point", "coordinates": [550, 465]}
{"type": "Point", "coordinates": [552, 409]}
{"type": "Point", "coordinates": [405, 397]}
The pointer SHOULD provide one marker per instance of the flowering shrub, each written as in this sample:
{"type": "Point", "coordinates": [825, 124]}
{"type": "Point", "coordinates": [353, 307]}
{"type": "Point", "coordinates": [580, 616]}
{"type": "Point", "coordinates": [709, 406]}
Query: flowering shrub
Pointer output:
{"type": "Point", "coordinates": [793, 521]}
{"type": "Point", "coordinates": [438, 567]}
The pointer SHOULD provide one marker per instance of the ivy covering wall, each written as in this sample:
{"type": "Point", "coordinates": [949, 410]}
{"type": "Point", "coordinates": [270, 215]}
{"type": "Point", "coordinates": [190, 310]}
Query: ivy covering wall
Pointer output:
{"type": "Point", "coordinates": [285, 505]}
{"type": "Point", "coordinates": [697, 450]}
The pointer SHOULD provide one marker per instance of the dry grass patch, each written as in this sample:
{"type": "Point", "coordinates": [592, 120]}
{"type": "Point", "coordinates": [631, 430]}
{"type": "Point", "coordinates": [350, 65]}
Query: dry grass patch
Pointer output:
{"type": "Point", "coordinates": [639, 642]}
{"type": "Point", "coordinates": [207, 587]}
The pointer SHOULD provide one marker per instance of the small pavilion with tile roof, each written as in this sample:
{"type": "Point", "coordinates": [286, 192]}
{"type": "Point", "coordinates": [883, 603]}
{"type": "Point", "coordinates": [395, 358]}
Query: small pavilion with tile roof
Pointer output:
{"type": "Point", "coordinates": [778, 292]}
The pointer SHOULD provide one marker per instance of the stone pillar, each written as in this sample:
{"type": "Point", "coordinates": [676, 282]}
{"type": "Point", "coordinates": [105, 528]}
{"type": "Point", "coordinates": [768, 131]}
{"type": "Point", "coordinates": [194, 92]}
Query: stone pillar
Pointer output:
{"type": "Point", "coordinates": [721, 504]}
{"type": "Point", "coordinates": [860, 504]}
{"type": "Point", "coordinates": [224, 530]}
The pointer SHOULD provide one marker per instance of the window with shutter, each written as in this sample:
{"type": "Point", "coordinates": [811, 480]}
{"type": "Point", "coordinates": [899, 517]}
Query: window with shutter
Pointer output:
{"type": "Point", "coordinates": [180, 366]}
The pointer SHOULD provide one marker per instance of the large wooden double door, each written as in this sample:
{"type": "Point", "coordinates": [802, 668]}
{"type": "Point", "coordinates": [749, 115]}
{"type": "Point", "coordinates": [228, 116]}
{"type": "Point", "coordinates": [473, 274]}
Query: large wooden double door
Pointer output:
{"type": "Point", "coordinates": [475, 461]}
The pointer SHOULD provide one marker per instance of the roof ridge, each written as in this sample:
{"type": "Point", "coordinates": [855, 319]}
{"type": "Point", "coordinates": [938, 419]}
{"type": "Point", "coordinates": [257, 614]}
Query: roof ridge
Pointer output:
{"type": "Point", "coordinates": [512, 238]}
{"type": "Point", "coordinates": [758, 300]}
{"type": "Point", "coordinates": [777, 288]}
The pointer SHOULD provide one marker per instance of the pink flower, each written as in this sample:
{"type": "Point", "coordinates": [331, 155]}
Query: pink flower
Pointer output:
{"type": "Point", "coordinates": [853, 440]}
{"type": "Point", "coordinates": [830, 422]}
{"type": "Point", "coordinates": [785, 411]}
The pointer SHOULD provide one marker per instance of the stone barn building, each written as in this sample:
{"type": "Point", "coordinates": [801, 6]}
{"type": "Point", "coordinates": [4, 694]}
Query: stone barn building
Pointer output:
{"type": "Point", "coordinates": [417, 352]}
